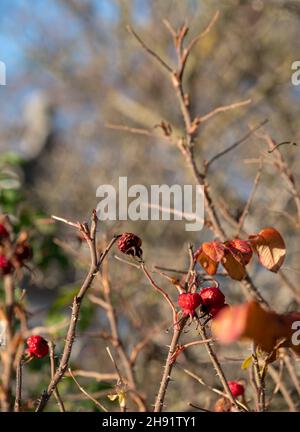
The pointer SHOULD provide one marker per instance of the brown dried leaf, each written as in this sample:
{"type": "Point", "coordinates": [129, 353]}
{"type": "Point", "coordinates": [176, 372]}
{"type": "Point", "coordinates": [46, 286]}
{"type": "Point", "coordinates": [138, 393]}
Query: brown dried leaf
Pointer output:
{"type": "Point", "coordinates": [207, 263]}
{"type": "Point", "coordinates": [270, 248]}
{"type": "Point", "coordinates": [234, 268]}
{"type": "Point", "coordinates": [241, 250]}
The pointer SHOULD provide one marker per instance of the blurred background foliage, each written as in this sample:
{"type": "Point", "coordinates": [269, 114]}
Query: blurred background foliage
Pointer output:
{"type": "Point", "coordinates": [72, 68]}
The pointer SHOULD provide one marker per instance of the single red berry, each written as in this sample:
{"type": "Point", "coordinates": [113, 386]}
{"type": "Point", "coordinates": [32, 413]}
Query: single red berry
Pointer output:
{"type": "Point", "coordinates": [130, 244]}
{"type": "Point", "coordinates": [5, 265]}
{"type": "Point", "coordinates": [212, 297]}
{"type": "Point", "coordinates": [189, 302]}
{"type": "Point", "coordinates": [236, 388]}
{"type": "Point", "coordinates": [3, 232]}
{"type": "Point", "coordinates": [37, 346]}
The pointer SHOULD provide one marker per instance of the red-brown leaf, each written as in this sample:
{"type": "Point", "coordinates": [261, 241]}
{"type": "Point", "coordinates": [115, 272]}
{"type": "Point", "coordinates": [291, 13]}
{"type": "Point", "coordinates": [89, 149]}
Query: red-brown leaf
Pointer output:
{"type": "Point", "coordinates": [214, 250]}
{"type": "Point", "coordinates": [207, 263]}
{"type": "Point", "coordinates": [241, 250]}
{"type": "Point", "coordinates": [234, 268]}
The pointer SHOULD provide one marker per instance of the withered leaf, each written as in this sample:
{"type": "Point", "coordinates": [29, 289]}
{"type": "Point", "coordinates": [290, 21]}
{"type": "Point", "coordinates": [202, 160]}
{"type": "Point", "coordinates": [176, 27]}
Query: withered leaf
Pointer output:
{"type": "Point", "coordinates": [270, 248]}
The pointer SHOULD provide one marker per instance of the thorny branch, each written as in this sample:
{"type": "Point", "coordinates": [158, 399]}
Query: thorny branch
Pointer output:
{"type": "Point", "coordinates": [96, 262]}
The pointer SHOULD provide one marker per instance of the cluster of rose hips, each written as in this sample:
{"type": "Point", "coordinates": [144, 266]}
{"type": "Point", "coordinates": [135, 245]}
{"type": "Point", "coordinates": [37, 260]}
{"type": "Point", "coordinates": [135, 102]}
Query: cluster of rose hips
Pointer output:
{"type": "Point", "coordinates": [210, 299]}
{"type": "Point", "coordinates": [13, 255]}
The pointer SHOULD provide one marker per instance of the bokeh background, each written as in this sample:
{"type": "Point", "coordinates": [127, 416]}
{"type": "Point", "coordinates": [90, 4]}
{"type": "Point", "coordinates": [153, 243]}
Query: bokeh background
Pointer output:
{"type": "Point", "coordinates": [72, 68]}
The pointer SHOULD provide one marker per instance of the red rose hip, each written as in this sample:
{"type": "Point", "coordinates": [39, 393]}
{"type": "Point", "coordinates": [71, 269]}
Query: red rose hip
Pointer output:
{"type": "Point", "coordinates": [236, 388]}
{"type": "Point", "coordinates": [37, 346]}
{"type": "Point", "coordinates": [189, 302]}
{"type": "Point", "coordinates": [212, 297]}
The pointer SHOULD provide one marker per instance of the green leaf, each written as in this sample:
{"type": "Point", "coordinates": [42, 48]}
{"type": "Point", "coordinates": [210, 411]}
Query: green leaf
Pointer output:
{"type": "Point", "coordinates": [11, 158]}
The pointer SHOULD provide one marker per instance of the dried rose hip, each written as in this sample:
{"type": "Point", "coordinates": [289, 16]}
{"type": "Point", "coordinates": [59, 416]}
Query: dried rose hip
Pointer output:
{"type": "Point", "coordinates": [130, 244]}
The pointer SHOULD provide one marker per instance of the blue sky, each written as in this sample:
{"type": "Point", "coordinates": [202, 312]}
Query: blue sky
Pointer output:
{"type": "Point", "coordinates": [47, 11]}
{"type": "Point", "coordinates": [11, 49]}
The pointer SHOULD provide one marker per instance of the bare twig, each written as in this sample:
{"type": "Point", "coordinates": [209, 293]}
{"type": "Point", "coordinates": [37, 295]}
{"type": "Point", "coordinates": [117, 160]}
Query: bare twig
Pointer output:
{"type": "Point", "coordinates": [18, 399]}
{"type": "Point", "coordinates": [89, 396]}
{"type": "Point", "coordinates": [139, 131]}
{"type": "Point", "coordinates": [254, 385]}
{"type": "Point", "coordinates": [95, 375]}
{"type": "Point", "coordinates": [292, 372]}
{"type": "Point", "coordinates": [283, 169]}
{"type": "Point", "coordinates": [130, 263]}
{"type": "Point", "coordinates": [161, 291]}
{"type": "Point", "coordinates": [218, 368]}
{"type": "Point", "coordinates": [121, 381]}
{"type": "Point", "coordinates": [224, 108]}
{"type": "Point", "coordinates": [98, 301]}
{"type": "Point", "coordinates": [66, 221]}
{"type": "Point", "coordinates": [249, 201]}
{"type": "Point", "coordinates": [260, 382]}
{"type": "Point", "coordinates": [46, 330]}
{"type": "Point", "coordinates": [235, 144]}
{"type": "Point", "coordinates": [280, 144]}
{"type": "Point", "coordinates": [52, 366]}
{"type": "Point", "coordinates": [183, 56]}
{"type": "Point", "coordinates": [197, 407]}
{"type": "Point", "coordinates": [159, 402]}
{"type": "Point", "coordinates": [149, 50]}
{"type": "Point", "coordinates": [283, 389]}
